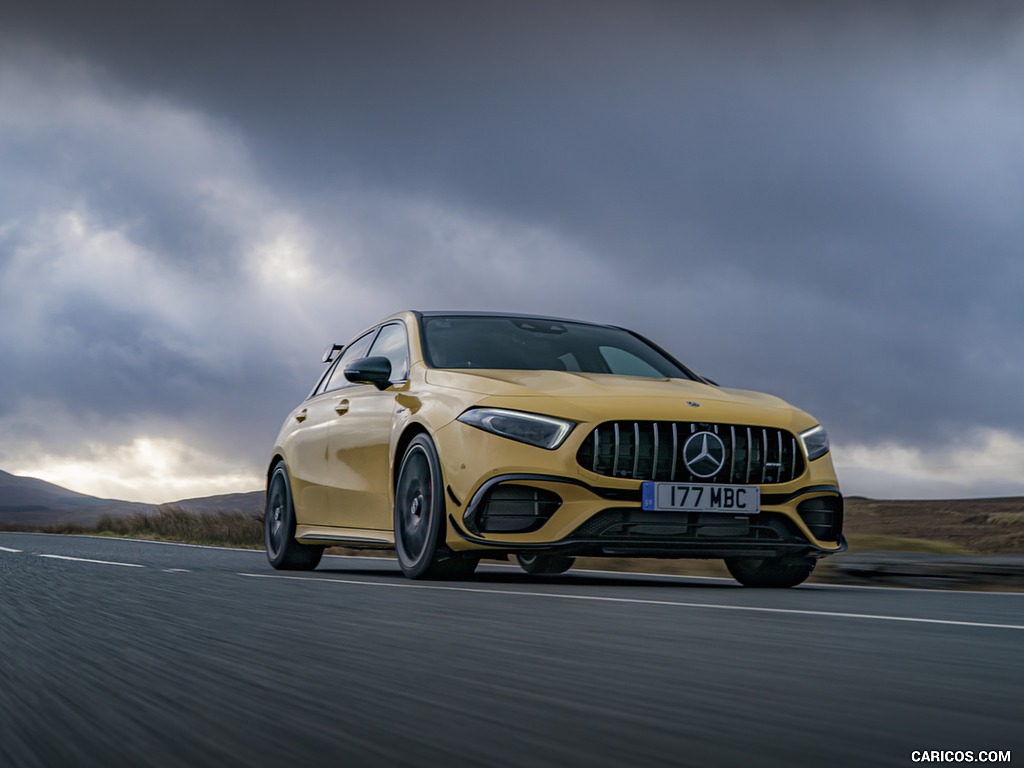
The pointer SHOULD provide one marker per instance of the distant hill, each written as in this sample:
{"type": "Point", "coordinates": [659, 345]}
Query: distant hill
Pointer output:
{"type": "Point", "coordinates": [31, 501]}
{"type": "Point", "coordinates": [251, 501]}
{"type": "Point", "coordinates": [991, 526]}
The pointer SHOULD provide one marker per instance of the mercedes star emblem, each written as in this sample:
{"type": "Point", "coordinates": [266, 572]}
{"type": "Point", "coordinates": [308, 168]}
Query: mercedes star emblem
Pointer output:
{"type": "Point", "coordinates": [704, 454]}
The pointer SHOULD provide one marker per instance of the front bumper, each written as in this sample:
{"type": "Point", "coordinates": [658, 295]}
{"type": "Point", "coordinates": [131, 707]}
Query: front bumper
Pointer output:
{"type": "Point", "coordinates": [586, 513]}
{"type": "Point", "coordinates": [593, 520]}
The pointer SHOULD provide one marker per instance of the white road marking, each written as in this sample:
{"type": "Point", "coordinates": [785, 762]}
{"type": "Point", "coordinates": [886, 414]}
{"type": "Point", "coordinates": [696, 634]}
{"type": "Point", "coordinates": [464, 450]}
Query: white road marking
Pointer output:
{"type": "Point", "coordinates": [259, 551]}
{"type": "Point", "coordinates": [691, 579]}
{"type": "Point", "coordinates": [639, 601]}
{"type": "Point", "coordinates": [679, 576]}
{"type": "Point", "coordinates": [8, 549]}
{"type": "Point", "coordinates": [177, 570]}
{"type": "Point", "coordinates": [87, 560]}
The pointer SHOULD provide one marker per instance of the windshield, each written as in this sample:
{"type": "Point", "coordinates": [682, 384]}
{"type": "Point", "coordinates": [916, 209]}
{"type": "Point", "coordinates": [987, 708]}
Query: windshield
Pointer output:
{"type": "Point", "coordinates": [530, 344]}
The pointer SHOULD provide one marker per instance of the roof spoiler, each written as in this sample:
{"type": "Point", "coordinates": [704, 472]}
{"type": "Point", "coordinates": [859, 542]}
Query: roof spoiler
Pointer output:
{"type": "Point", "coordinates": [332, 352]}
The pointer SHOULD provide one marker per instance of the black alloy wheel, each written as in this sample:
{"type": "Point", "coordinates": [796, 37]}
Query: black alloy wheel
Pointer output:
{"type": "Point", "coordinates": [545, 565]}
{"type": "Point", "coordinates": [283, 551]}
{"type": "Point", "coordinates": [778, 572]}
{"type": "Point", "coordinates": [420, 521]}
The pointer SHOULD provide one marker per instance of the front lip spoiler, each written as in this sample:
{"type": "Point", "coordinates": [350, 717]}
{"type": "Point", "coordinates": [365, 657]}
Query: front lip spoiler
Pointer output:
{"type": "Point", "coordinates": [655, 547]}
{"type": "Point", "coordinates": [472, 539]}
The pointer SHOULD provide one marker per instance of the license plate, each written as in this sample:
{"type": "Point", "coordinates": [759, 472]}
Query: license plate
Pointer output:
{"type": "Point", "coordinates": [700, 497]}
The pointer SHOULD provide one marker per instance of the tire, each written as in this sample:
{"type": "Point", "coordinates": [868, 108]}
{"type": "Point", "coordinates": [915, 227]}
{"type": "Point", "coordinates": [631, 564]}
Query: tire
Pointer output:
{"type": "Point", "coordinates": [420, 518]}
{"type": "Point", "coordinates": [772, 572]}
{"type": "Point", "coordinates": [283, 551]}
{"type": "Point", "coordinates": [545, 565]}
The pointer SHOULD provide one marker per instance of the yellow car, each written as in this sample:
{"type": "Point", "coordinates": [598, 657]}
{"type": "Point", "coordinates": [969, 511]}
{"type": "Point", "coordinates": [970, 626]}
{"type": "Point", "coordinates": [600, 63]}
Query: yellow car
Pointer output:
{"type": "Point", "coordinates": [456, 436]}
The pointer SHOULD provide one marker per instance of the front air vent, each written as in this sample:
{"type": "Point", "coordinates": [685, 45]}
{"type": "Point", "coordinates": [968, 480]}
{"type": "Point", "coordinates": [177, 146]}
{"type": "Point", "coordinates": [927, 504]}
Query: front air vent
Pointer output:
{"type": "Point", "coordinates": [516, 509]}
{"type": "Point", "coordinates": [823, 515]}
{"type": "Point", "coordinates": [656, 450]}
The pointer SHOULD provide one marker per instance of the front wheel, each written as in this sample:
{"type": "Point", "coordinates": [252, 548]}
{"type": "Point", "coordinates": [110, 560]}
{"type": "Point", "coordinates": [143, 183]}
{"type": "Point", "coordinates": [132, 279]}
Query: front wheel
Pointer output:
{"type": "Point", "coordinates": [420, 518]}
{"type": "Point", "coordinates": [770, 572]}
{"type": "Point", "coordinates": [545, 565]}
{"type": "Point", "coordinates": [283, 551]}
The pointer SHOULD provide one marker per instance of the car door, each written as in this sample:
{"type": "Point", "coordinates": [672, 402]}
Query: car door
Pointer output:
{"type": "Point", "coordinates": [360, 437]}
{"type": "Point", "coordinates": [311, 473]}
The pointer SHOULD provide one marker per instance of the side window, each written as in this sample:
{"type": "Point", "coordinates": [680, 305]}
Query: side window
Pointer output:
{"type": "Point", "coordinates": [393, 344]}
{"type": "Point", "coordinates": [626, 363]}
{"type": "Point", "coordinates": [353, 351]}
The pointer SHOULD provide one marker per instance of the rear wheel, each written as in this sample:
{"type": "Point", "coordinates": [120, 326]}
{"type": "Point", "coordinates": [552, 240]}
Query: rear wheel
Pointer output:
{"type": "Point", "coordinates": [545, 565]}
{"type": "Point", "coordinates": [420, 518]}
{"type": "Point", "coordinates": [283, 551]}
{"type": "Point", "coordinates": [770, 572]}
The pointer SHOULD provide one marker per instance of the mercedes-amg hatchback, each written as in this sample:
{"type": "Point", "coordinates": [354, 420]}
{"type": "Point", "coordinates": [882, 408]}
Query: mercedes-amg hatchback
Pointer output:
{"type": "Point", "coordinates": [456, 436]}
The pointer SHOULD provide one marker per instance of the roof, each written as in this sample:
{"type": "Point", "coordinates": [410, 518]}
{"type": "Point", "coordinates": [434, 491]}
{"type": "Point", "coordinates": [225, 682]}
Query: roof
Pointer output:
{"type": "Point", "coordinates": [519, 316]}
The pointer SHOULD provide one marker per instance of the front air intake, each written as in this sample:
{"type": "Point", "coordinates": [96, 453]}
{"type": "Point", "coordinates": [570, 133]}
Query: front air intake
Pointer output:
{"type": "Point", "coordinates": [823, 515]}
{"type": "Point", "coordinates": [516, 509]}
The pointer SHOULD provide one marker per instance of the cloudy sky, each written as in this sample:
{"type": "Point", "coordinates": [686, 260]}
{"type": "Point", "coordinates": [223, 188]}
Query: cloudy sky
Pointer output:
{"type": "Point", "coordinates": [820, 200]}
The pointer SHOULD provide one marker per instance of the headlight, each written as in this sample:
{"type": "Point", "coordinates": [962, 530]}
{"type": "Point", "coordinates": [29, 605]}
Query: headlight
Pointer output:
{"type": "Point", "coordinates": [815, 442]}
{"type": "Point", "coordinates": [531, 428]}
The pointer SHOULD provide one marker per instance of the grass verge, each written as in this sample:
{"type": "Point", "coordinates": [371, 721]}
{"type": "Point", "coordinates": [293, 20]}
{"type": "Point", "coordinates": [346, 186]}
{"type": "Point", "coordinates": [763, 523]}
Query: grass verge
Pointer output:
{"type": "Point", "coordinates": [171, 523]}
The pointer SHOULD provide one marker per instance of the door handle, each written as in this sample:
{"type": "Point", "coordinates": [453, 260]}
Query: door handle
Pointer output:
{"type": "Point", "coordinates": [341, 408]}
{"type": "Point", "coordinates": [301, 415]}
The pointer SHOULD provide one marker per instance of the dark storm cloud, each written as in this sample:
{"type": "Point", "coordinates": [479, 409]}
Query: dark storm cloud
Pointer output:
{"type": "Point", "coordinates": [822, 200]}
{"type": "Point", "coordinates": [786, 136]}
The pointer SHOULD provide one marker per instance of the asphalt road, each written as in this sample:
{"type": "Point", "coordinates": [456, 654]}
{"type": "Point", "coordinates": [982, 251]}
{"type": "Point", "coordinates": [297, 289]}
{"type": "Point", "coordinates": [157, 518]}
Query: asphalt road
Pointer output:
{"type": "Point", "coordinates": [164, 655]}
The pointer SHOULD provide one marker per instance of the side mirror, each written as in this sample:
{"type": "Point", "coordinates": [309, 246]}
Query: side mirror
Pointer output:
{"type": "Point", "coordinates": [332, 352]}
{"type": "Point", "coordinates": [370, 370]}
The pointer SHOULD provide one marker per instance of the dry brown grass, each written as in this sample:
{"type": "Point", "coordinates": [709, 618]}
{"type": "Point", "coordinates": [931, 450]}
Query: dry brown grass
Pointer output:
{"type": "Point", "coordinates": [172, 523]}
{"type": "Point", "coordinates": [986, 526]}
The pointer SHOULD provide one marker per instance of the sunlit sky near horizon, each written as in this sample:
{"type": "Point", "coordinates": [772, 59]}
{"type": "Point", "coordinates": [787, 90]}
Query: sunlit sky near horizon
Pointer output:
{"type": "Point", "coordinates": [821, 201]}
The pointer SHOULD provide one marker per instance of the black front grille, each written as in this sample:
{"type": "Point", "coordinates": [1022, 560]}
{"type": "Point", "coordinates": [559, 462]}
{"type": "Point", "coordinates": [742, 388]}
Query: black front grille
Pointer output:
{"type": "Point", "coordinates": [654, 450]}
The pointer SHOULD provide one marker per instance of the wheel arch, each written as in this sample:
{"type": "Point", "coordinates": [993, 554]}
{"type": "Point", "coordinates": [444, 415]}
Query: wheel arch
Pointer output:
{"type": "Point", "coordinates": [413, 429]}
{"type": "Point", "coordinates": [277, 458]}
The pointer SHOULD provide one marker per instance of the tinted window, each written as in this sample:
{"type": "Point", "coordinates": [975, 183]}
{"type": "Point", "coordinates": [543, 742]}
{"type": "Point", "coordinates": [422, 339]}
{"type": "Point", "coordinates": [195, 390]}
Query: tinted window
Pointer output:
{"type": "Point", "coordinates": [354, 351]}
{"type": "Point", "coordinates": [392, 343]}
{"type": "Point", "coordinates": [528, 344]}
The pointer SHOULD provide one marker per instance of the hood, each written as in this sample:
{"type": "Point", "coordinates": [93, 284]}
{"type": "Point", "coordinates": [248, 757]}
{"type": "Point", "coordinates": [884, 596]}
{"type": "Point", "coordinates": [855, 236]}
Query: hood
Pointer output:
{"type": "Point", "coordinates": [596, 396]}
